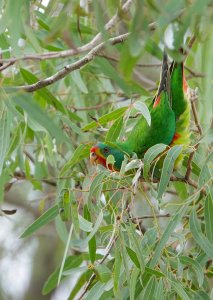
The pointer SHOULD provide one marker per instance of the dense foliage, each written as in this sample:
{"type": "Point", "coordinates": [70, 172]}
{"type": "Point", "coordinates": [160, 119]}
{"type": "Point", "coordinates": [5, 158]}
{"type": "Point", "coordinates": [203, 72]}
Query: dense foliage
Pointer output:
{"type": "Point", "coordinates": [77, 72]}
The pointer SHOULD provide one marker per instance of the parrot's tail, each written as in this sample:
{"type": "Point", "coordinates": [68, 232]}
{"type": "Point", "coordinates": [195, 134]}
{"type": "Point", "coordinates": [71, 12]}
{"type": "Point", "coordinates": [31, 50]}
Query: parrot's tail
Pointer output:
{"type": "Point", "coordinates": [164, 80]}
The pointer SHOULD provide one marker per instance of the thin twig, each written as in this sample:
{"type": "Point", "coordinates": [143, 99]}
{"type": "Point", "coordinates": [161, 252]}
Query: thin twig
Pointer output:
{"type": "Point", "coordinates": [193, 73]}
{"type": "Point", "coordinates": [7, 65]}
{"type": "Point", "coordinates": [151, 217]}
{"type": "Point", "coordinates": [22, 176]}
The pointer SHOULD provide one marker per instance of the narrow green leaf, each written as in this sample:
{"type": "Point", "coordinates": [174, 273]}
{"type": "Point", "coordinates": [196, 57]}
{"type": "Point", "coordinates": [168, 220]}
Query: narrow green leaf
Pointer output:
{"type": "Point", "coordinates": [124, 256]}
{"type": "Point", "coordinates": [92, 242]}
{"type": "Point", "coordinates": [81, 152]}
{"type": "Point", "coordinates": [110, 71]}
{"type": "Point", "coordinates": [65, 254]}
{"type": "Point", "coordinates": [117, 267]}
{"type": "Point", "coordinates": [180, 290]}
{"type": "Point", "coordinates": [150, 289]}
{"type": "Point", "coordinates": [72, 125]}
{"type": "Point", "coordinates": [44, 219]}
{"type": "Point", "coordinates": [28, 104]}
{"type": "Point", "coordinates": [103, 272]}
{"type": "Point", "coordinates": [154, 272]}
{"type": "Point", "coordinates": [96, 291]}
{"type": "Point", "coordinates": [76, 76]}
{"type": "Point", "coordinates": [198, 236]}
{"type": "Point", "coordinates": [114, 130]}
{"type": "Point", "coordinates": [159, 290]}
{"type": "Point", "coordinates": [143, 109]}
{"type": "Point", "coordinates": [206, 171]}
{"type": "Point", "coordinates": [96, 186]}
{"type": "Point", "coordinates": [74, 213]}
{"type": "Point", "coordinates": [114, 115]}
{"type": "Point", "coordinates": [135, 241]}
{"type": "Point", "coordinates": [133, 281]}
{"type": "Point", "coordinates": [95, 229]}
{"type": "Point", "coordinates": [150, 155]}
{"type": "Point", "coordinates": [64, 205]}
{"type": "Point", "coordinates": [71, 262]}
{"type": "Point", "coordinates": [79, 284]}
{"type": "Point", "coordinates": [208, 213]}
{"type": "Point", "coordinates": [174, 221]}
{"type": "Point", "coordinates": [133, 257]}
{"type": "Point", "coordinates": [84, 224]}
{"type": "Point", "coordinates": [194, 264]}
{"type": "Point", "coordinates": [133, 164]}
{"type": "Point", "coordinates": [5, 125]}
{"type": "Point", "coordinates": [168, 166]}
{"type": "Point", "coordinates": [44, 93]}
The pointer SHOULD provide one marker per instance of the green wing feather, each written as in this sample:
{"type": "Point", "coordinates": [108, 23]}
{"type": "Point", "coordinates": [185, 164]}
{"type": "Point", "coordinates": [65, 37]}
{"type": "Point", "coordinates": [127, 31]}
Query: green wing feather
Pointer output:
{"type": "Point", "coordinates": [180, 103]}
{"type": "Point", "coordinates": [162, 127]}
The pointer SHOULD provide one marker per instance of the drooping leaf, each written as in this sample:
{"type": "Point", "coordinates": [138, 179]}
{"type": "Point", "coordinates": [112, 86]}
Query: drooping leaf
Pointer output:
{"type": "Point", "coordinates": [5, 125]}
{"type": "Point", "coordinates": [168, 166]}
{"type": "Point", "coordinates": [28, 104]}
{"type": "Point", "coordinates": [150, 155]}
{"type": "Point", "coordinates": [70, 263]}
{"type": "Point", "coordinates": [80, 153]}
{"type": "Point", "coordinates": [198, 236]}
{"type": "Point", "coordinates": [208, 212]}
{"type": "Point", "coordinates": [143, 109]}
{"type": "Point", "coordinates": [44, 219]}
{"type": "Point", "coordinates": [174, 221]}
{"type": "Point", "coordinates": [150, 289]}
{"type": "Point", "coordinates": [188, 261]}
{"type": "Point", "coordinates": [114, 130]}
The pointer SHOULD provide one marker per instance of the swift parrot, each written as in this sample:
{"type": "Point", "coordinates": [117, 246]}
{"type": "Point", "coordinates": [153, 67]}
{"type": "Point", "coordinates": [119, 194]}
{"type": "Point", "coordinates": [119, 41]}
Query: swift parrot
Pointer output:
{"type": "Point", "coordinates": [170, 119]}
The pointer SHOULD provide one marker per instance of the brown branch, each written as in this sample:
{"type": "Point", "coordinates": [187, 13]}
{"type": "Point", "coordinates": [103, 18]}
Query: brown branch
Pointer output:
{"type": "Point", "coordinates": [150, 217]}
{"type": "Point", "coordinates": [7, 65]}
{"type": "Point", "coordinates": [74, 66]}
{"type": "Point", "coordinates": [22, 176]}
{"type": "Point", "coordinates": [78, 50]}
{"type": "Point", "coordinates": [197, 123]}
{"type": "Point", "coordinates": [180, 179]}
{"type": "Point", "coordinates": [193, 73]}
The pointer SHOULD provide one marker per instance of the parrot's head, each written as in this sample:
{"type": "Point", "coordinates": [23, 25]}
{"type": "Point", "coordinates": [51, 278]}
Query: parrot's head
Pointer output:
{"type": "Point", "coordinates": [100, 152]}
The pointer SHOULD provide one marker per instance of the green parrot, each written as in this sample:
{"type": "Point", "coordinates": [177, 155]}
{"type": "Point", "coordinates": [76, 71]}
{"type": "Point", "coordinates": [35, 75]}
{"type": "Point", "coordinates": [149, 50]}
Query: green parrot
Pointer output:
{"type": "Point", "coordinates": [170, 119]}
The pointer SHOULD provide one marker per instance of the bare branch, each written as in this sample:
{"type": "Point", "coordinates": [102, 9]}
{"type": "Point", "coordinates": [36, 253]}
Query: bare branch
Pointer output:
{"type": "Point", "coordinates": [7, 65]}
{"type": "Point", "coordinates": [151, 217]}
{"type": "Point", "coordinates": [74, 66]}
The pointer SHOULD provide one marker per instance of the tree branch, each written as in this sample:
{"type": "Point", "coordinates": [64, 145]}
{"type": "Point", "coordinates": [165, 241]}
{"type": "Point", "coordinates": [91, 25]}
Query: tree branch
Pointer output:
{"type": "Point", "coordinates": [74, 66]}
{"type": "Point", "coordinates": [78, 50]}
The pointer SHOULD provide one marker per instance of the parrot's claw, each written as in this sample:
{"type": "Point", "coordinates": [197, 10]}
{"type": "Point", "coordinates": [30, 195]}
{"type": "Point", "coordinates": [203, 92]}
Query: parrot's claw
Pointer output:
{"type": "Point", "coordinates": [192, 94]}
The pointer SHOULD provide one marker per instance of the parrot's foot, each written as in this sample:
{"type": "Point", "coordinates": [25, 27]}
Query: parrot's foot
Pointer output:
{"type": "Point", "coordinates": [192, 94]}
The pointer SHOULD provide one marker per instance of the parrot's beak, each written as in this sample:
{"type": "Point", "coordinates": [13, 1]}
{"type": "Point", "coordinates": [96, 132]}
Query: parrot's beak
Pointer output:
{"type": "Point", "coordinates": [93, 158]}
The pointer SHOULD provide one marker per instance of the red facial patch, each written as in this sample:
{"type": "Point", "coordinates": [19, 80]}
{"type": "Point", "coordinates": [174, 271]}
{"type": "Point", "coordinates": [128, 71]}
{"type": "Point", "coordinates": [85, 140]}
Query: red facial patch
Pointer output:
{"type": "Point", "coordinates": [157, 101]}
{"type": "Point", "coordinates": [93, 149]}
{"type": "Point", "coordinates": [176, 137]}
{"type": "Point", "coordinates": [99, 159]}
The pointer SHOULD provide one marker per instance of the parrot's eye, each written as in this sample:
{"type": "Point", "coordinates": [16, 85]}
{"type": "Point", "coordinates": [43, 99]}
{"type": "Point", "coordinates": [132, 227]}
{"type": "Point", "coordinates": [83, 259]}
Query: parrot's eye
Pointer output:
{"type": "Point", "coordinates": [106, 150]}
